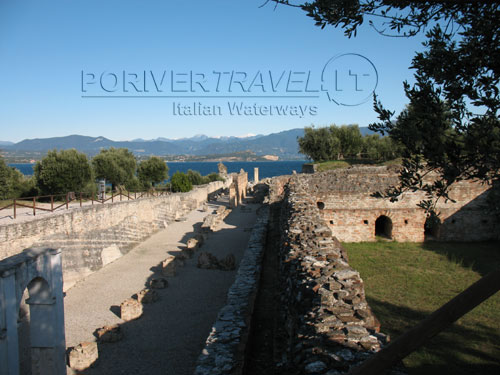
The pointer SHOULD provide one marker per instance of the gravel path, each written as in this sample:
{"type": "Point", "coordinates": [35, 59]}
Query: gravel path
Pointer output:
{"type": "Point", "coordinates": [169, 336]}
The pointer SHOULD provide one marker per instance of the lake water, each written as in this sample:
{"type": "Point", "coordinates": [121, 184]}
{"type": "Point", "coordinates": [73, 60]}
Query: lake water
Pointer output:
{"type": "Point", "coordinates": [266, 168]}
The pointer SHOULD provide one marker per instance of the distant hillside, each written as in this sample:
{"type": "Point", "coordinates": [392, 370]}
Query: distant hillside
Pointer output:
{"type": "Point", "coordinates": [6, 143]}
{"type": "Point", "coordinates": [282, 144]}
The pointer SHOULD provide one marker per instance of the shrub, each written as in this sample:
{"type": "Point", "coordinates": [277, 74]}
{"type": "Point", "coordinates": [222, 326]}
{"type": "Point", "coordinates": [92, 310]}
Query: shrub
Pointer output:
{"type": "Point", "coordinates": [62, 171]}
{"type": "Point", "coordinates": [180, 182]}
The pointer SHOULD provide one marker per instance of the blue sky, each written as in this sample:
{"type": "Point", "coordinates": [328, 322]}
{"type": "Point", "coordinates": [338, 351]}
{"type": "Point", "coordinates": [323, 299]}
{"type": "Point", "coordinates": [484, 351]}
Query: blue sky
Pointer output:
{"type": "Point", "coordinates": [45, 46]}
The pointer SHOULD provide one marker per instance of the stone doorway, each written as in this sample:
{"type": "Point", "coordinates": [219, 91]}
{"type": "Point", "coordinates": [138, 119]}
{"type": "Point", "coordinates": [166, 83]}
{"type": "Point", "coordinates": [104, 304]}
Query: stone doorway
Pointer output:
{"type": "Point", "coordinates": [431, 227]}
{"type": "Point", "coordinates": [383, 227]}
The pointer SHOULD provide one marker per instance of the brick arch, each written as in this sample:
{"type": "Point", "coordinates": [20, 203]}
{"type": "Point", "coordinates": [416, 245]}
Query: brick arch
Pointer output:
{"type": "Point", "coordinates": [384, 226]}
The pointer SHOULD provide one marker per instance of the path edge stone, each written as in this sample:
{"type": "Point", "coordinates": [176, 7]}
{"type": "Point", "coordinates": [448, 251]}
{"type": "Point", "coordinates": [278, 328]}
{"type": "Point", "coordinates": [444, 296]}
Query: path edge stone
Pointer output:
{"type": "Point", "coordinates": [224, 349]}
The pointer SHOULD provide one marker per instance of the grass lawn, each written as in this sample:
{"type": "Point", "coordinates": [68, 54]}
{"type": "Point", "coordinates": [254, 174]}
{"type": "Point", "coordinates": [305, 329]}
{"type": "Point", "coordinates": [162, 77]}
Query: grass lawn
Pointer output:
{"type": "Point", "coordinates": [405, 282]}
{"type": "Point", "coordinates": [335, 164]}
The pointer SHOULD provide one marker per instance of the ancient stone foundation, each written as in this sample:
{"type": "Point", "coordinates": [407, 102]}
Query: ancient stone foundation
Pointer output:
{"type": "Point", "coordinates": [93, 236]}
{"type": "Point", "coordinates": [329, 326]}
{"type": "Point", "coordinates": [225, 347]}
{"type": "Point", "coordinates": [346, 203]}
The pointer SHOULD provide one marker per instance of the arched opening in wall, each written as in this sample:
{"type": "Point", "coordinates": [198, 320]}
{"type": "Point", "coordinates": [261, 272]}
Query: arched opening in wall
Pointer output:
{"type": "Point", "coordinates": [432, 226]}
{"type": "Point", "coordinates": [35, 323]}
{"type": "Point", "coordinates": [383, 227]}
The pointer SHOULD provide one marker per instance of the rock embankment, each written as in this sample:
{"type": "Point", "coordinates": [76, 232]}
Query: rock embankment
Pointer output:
{"type": "Point", "coordinates": [225, 346]}
{"type": "Point", "coordinates": [329, 326]}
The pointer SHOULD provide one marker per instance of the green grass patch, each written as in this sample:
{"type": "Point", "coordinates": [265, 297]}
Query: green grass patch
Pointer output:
{"type": "Point", "coordinates": [405, 282]}
{"type": "Point", "coordinates": [336, 164]}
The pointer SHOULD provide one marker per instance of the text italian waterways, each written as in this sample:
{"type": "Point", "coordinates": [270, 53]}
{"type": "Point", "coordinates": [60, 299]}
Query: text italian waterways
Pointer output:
{"type": "Point", "coordinates": [242, 109]}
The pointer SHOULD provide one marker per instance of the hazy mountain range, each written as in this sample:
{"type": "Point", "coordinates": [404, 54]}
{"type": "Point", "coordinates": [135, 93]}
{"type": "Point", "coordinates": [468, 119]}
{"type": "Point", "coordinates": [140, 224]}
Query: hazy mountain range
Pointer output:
{"type": "Point", "coordinates": [282, 144]}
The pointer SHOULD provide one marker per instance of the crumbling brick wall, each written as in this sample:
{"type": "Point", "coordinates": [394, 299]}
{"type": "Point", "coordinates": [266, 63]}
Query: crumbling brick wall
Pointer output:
{"type": "Point", "coordinates": [346, 202]}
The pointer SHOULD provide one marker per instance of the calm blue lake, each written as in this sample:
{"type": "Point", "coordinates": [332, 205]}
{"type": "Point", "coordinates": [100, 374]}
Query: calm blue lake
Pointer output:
{"type": "Point", "coordinates": [266, 168]}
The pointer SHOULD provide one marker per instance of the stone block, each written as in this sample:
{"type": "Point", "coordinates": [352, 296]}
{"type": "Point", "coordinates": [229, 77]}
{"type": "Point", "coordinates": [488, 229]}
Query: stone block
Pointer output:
{"type": "Point", "coordinates": [200, 238]}
{"type": "Point", "coordinates": [147, 296]}
{"type": "Point", "coordinates": [192, 243]}
{"type": "Point", "coordinates": [83, 356]}
{"type": "Point", "coordinates": [228, 263]}
{"type": "Point", "coordinates": [168, 267]}
{"type": "Point", "coordinates": [207, 261]}
{"type": "Point", "coordinates": [158, 283]}
{"type": "Point", "coordinates": [130, 309]}
{"type": "Point", "coordinates": [111, 333]}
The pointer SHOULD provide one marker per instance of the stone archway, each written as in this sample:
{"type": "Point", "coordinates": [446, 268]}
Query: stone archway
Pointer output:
{"type": "Point", "coordinates": [39, 272]}
{"type": "Point", "coordinates": [432, 227]}
{"type": "Point", "coordinates": [383, 227]}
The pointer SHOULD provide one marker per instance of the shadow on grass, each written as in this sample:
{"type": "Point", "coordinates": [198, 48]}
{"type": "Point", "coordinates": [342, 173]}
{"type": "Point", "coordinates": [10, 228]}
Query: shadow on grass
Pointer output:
{"type": "Point", "coordinates": [481, 257]}
{"type": "Point", "coordinates": [457, 350]}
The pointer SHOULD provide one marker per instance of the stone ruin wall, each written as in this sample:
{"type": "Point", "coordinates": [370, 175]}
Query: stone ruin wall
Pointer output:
{"type": "Point", "coordinates": [344, 197]}
{"type": "Point", "coordinates": [329, 326]}
{"type": "Point", "coordinates": [238, 189]}
{"type": "Point", "coordinates": [93, 236]}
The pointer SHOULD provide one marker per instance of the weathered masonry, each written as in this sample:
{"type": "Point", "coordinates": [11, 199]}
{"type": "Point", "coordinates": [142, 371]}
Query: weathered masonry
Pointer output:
{"type": "Point", "coordinates": [39, 272]}
{"type": "Point", "coordinates": [344, 198]}
{"type": "Point", "coordinates": [93, 236]}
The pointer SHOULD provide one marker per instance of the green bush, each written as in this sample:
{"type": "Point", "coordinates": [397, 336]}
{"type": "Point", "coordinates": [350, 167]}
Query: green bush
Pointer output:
{"type": "Point", "coordinates": [135, 185]}
{"type": "Point", "coordinates": [13, 184]}
{"type": "Point", "coordinates": [152, 171]}
{"type": "Point", "coordinates": [117, 166]}
{"type": "Point", "coordinates": [195, 177]}
{"type": "Point", "coordinates": [214, 177]}
{"type": "Point", "coordinates": [62, 171]}
{"type": "Point", "coordinates": [180, 182]}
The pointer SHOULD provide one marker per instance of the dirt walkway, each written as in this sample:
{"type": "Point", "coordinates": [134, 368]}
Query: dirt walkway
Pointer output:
{"type": "Point", "coordinates": [169, 336]}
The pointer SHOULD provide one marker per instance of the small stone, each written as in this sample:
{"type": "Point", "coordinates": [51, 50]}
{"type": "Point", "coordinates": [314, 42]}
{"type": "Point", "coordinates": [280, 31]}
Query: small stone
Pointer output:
{"type": "Point", "coordinates": [315, 367]}
{"type": "Point", "coordinates": [228, 263]}
{"type": "Point", "coordinates": [207, 261]}
{"type": "Point", "coordinates": [168, 267]}
{"type": "Point", "coordinates": [180, 260]}
{"type": "Point", "coordinates": [83, 356]}
{"type": "Point", "coordinates": [110, 333]}
{"type": "Point", "coordinates": [192, 243]}
{"type": "Point", "coordinates": [147, 296]}
{"type": "Point", "coordinates": [200, 238]}
{"type": "Point", "coordinates": [345, 274]}
{"type": "Point", "coordinates": [130, 309]}
{"type": "Point", "coordinates": [158, 283]}
{"type": "Point", "coordinates": [346, 354]}
{"type": "Point", "coordinates": [187, 253]}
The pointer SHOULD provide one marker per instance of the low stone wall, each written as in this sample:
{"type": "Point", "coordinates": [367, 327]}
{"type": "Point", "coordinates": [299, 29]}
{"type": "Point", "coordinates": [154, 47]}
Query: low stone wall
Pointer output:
{"type": "Point", "coordinates": [225, 347]}
{"type": "Point", "coordinates": [329, 327]}
{"type": "Point", "coordinates": [94, 236]}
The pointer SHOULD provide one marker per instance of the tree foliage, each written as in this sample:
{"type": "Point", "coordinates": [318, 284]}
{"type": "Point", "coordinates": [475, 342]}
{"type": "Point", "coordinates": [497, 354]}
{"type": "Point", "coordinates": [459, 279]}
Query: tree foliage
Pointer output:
{"type": "Point", "coordinates": [451, 126]}
{"type": "Point", "coordinates": [346, 141]}
{"type": "Point", "coordinates": [319, 144]}
{"type": "Point", "coordinates": [60, 172]}
{"type": "Point", "coordinates": [13, 184]}
{"type": "Point", "coordinates": [152, 171]}
{"type": "Point", "coordinates": [117, 166]}
{"type": "Point", "coordinates": [196, 178]}
{"type": "Point", "coordinates": [180, 182]}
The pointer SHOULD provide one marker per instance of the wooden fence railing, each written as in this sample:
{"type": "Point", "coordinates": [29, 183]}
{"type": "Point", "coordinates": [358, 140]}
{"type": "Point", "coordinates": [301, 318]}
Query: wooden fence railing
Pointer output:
{"type": "Point", "coordinates": [51, 203]}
